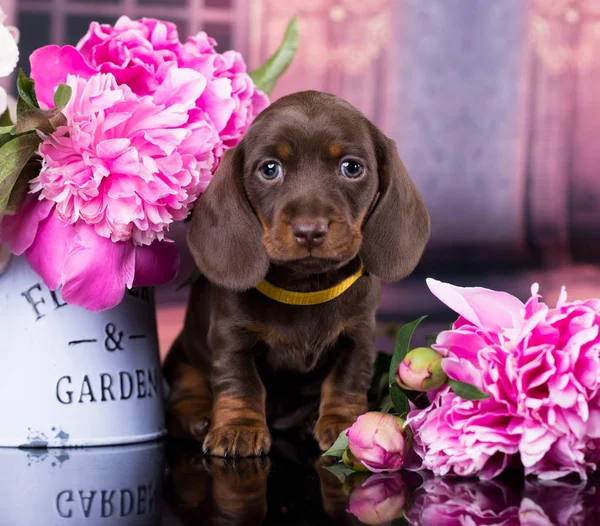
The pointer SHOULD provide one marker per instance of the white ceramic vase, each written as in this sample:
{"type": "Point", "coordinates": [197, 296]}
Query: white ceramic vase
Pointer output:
{"type": "Point", "coordinates": [70, 377]}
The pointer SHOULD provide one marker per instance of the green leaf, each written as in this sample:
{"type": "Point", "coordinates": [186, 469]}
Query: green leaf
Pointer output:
{"type": "Point", "coordinates": [265, 77]}
{"type": "Point", "coordinates": [339, 446]}
{"type": "Point", "coordinates": [341, 471]}
{"type": "Point", "coordinates": [402, 347]}
{"type": "Point", "coordinates": [26, 89]}
{"type": "Point", "coordinates": [467, 391]}
{"type": "Point", "coordinates": [191, 279]}
{"type": "Point", "coordinates": [387, 407]}
{"type": "Point", "coordinates": [400, 521]}
{"type": "Point", "coordinates": [400, 400]}
{"type": "Point", "coordinates": [62, 95]}
{"type": "Point", "coordinates": [29, 115]}
{"type": "Point", "coordinates": [5, 119]}
{"type": "Point", "coordinates": [21, 186]}
{"type": "Point", "coordinates": [14, 155]}
{"type": "Point", "coordinates": [6, 134]}
{"type": "Point", "coordinates": [30, 119]}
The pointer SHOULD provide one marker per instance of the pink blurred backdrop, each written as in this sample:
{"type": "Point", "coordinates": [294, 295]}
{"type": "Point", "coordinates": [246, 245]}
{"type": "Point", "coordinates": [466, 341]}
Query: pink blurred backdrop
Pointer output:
{"type": "Point", "coordinates": [494, 105]}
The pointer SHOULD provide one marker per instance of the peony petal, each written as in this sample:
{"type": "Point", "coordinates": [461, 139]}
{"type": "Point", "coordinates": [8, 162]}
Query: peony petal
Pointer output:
{"type": "Point", "coordinates": [155, 264]}
{"type": "Point", "coordinates": [50, 66]}
{"type": "Point", "coordinates": [48, 253]}
{"type": "Point", "coordinates": [488, 309]}
{"type": "Point", "coordinates": [19, 230]}
{"type": "Point", "coordinates": [463, 371]}
{"type": "Point", "coordinates": [97, 270]}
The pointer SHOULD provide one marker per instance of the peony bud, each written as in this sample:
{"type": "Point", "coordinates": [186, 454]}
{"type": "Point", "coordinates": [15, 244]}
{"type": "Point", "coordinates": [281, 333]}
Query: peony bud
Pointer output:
{"type": "Point", "coordinates": [378, 500]}
{"type": "Point", "coordinates": [378, 441]}
{"type": "Point", "coordinates": [421, 370]}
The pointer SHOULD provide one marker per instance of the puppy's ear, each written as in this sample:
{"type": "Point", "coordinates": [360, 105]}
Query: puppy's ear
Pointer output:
{"type": "Point", "coordinates": [397, 230]}
{"type": "Point", "coordinates": [225, 236]}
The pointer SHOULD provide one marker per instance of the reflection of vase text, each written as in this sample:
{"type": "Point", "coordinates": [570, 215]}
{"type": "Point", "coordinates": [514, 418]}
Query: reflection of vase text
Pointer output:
{"type": "Point", "coordinates": [106, 503]}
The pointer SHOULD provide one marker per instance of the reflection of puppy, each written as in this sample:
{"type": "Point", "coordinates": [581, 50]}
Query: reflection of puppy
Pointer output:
{"type": "Point", "coordinates": [314, 198]}
{"type": "Point", "coordinates": [209, 490]}
{"type": "Point", "coordinates": [203, 490]}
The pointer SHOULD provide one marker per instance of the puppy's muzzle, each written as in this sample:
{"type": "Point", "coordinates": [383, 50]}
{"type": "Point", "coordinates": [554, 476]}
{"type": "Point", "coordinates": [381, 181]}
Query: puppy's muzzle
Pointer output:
{"type": "Point", "coordinates": [309, 233]}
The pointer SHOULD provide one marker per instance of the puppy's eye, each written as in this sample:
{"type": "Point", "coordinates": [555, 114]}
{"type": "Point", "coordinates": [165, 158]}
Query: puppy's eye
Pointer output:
{"type": "Point", "coordinates": [352, 169]}
{"type": "Point", "coordinates": [270, 170]}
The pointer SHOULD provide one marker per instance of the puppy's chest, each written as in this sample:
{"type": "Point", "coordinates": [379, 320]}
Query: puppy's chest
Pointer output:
{"type": "Point", "coordinates": [298, 345]}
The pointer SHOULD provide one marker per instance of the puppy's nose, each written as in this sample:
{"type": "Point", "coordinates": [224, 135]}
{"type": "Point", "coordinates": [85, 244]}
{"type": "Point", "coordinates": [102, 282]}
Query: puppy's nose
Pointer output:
{"type": "Point", "coordinates": [309, 233]}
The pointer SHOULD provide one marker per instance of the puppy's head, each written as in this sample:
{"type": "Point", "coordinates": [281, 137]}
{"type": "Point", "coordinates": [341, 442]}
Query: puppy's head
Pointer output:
{"type": "Point", "coordinates": [312, 185]}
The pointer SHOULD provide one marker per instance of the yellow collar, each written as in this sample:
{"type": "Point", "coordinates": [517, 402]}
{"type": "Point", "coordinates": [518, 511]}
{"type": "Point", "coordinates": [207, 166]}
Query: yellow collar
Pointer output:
{"type": "Point", "coordinates": [308, 298]}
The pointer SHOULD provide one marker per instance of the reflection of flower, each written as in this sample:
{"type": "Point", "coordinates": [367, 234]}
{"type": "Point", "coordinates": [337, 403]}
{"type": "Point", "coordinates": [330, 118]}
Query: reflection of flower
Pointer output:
{"type": "Point", "coordinates": [480, 503]}
{"type": "Point", "coordinates": [453, 502]}
{"type": "Point", "coordinates": [378, 441]}
{"type": "Point", "coordinates": [380, 499]}
{"type": "Point", "coordinates": [541, 367]}
{"type": "Point", "coordinates": [558, 504]}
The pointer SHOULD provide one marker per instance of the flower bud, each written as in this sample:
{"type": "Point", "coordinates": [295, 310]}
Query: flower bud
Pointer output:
{"type": "Point", "coordinates": [378, 441]}
{"type": "Point", "coordinates": [421, 370]}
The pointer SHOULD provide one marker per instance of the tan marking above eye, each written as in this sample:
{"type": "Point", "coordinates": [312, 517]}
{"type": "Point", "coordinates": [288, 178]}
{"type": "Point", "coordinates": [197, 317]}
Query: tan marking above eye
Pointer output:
{"type": "Point", "coordinates": [335, 149]}
{"type": "Point", "coordinates": [283, 151]}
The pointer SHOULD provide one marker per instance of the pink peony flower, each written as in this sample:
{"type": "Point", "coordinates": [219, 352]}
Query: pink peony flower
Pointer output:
{"type": "Point", "coordinates": [92, 270]}
{"type": "Point", "coordinates": [541, 367]}
{"type": "Point", "coordinates": [137, 52]}
{"type": "Point", "coordinates": [378, 500]}
{"type": "Point", "coordinates": [231, 98]}
{"type": "Point", "coordinates": [123, 163]}
{"type": "Point", "coordinates": [378, 441]}
{"type": "Point", "coordinates": [144, 133]}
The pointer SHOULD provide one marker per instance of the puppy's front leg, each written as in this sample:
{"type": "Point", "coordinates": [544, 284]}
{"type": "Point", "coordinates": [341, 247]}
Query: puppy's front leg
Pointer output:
{"type": "Point", "coordinates": [344, 391]}
{"type": "Point", "coordinates": [239, 424]}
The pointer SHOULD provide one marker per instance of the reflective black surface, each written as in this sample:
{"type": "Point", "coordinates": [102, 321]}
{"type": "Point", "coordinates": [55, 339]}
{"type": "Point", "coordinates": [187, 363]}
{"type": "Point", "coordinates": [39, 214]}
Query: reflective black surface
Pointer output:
{"type": "Point", "coordinates": [173, 484]}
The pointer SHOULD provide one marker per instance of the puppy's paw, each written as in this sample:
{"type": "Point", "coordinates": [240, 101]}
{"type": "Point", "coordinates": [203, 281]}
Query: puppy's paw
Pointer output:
{"type": "Point", "coordinates": [328, 428]}
{"type": "Point", "coordinates": [232, 440]}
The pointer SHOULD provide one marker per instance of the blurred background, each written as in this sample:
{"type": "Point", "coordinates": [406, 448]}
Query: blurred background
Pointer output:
{"type": "Point", "coordinates": [494, 105]}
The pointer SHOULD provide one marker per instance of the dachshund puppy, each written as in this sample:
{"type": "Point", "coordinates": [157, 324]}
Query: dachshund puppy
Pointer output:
{"type": "Point", "coordinates": [301, 220]}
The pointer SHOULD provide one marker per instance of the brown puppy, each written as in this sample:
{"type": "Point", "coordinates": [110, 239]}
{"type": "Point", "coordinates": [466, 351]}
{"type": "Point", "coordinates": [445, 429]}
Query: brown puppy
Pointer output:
{"type": "Point", "coordinates": [312, 193]}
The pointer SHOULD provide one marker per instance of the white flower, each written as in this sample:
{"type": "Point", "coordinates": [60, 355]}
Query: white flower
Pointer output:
{"type": "Point", "coordinates": [3, 100]}
{"type": "Point", "coordinates": [9, 52]}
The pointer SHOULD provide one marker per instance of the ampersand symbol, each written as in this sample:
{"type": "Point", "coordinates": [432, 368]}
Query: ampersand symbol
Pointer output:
{"type": "Point", "coordinates": [112, 342]}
